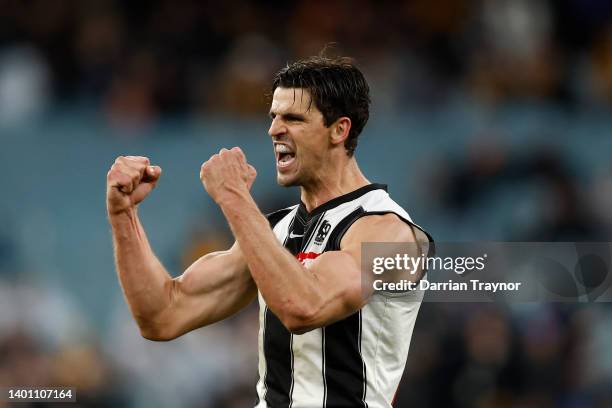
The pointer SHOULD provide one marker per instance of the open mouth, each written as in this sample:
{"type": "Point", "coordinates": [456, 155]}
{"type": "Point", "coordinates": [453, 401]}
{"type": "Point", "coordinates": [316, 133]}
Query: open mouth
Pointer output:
{"type": "Point", "coordinates": [284, 155]}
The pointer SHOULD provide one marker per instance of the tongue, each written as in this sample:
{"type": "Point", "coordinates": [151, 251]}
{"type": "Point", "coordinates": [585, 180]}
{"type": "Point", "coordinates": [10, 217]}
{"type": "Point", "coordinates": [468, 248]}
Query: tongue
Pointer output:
{"type": "Point", "coordinates": [285, 157]}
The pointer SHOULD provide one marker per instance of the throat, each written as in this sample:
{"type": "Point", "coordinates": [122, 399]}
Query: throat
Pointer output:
{"type": "Point", "coordinates": [316, 198]}
{"type": "Point", "coordinates": [331, 183]}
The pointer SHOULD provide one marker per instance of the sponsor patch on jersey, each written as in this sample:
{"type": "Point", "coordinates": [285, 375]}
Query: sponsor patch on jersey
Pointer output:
{"type": "Point", "coordinates": [322, 233]}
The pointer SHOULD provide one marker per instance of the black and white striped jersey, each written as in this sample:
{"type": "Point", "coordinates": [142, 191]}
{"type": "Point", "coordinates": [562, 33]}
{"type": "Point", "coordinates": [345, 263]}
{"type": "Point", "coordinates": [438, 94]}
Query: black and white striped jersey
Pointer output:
{"type": "Point", "coordinates": [355, 362]}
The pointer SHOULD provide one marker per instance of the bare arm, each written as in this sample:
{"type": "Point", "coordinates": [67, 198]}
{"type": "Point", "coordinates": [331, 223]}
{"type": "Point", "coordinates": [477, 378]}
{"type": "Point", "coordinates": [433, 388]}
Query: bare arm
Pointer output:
{"type": "Point", "coordinates": [213, 288]}
{"type": "Point", "coordinates": [329, 289]}
{"type": "Point", "coordinates": [338, 279]}
{"type": "Point", "coordinates": [303, 298]}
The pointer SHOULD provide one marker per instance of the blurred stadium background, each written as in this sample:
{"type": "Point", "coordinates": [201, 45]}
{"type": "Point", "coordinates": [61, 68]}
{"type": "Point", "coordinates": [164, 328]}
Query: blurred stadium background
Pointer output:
{"type": "Point", "coordinates": [491, 120]}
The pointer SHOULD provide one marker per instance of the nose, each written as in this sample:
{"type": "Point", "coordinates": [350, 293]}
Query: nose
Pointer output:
{"type": "Point", "coordinates": [277, 128]}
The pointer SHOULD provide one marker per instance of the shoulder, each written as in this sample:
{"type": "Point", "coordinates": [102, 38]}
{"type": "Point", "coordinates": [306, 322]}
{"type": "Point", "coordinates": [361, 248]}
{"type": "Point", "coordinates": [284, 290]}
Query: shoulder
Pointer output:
{"type": "Point", "coordinates": [380, 219]}
{"type": "Point", "coordinates": [388, 227]}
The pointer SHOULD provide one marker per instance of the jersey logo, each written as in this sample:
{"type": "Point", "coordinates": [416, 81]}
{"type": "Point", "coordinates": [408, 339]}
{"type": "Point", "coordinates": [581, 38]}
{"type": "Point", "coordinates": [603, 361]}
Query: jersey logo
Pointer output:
{"type": "Point", "coordinates": [322, 233]}
{"type": "Point", "coordinates": [292, 235]}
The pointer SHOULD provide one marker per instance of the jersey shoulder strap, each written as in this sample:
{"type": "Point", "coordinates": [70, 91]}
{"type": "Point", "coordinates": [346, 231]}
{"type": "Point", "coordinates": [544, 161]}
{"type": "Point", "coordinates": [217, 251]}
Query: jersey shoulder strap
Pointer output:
{"type": "Point", "coordinates": [377, 202]}
{"type": "Point", "coordinates": [276, 216]}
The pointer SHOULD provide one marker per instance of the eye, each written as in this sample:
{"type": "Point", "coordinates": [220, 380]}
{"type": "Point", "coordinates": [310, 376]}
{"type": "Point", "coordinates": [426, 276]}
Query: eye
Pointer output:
{"type": "Point", "coordinates": [293, 118]}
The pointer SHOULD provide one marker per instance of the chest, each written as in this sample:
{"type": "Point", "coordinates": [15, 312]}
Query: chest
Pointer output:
{"type": "Point", "coordinates": [306, 237]}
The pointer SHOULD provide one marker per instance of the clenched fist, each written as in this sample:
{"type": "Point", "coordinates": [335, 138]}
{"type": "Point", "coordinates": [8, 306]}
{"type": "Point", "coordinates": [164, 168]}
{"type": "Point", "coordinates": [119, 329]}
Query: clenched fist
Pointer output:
{"type": "Point", "coordinates": [128, 182]}
{"type": "Point", "coordinates": [227, 172]}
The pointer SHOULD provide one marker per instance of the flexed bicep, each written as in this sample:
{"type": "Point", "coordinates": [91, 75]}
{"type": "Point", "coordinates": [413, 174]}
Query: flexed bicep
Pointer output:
{"type": "Point", "coordinates": [213, 288]}
{"type": "Point", "coordinates": [339, 285]}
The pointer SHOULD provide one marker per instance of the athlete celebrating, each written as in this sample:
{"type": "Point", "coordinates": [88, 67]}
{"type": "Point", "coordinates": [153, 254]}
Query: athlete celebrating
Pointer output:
{"type": "Point", "coordinates": [323, 340]}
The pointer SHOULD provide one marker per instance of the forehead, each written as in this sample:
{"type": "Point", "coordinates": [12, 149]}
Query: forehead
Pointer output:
{"type": "Point", "coordinates": [295, 100]}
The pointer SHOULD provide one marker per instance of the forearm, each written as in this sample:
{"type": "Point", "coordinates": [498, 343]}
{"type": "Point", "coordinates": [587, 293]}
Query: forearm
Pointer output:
{"type": "Point", "coordinates": [145, 283]}
{"type": "Point", "coordinates": [286, 285]}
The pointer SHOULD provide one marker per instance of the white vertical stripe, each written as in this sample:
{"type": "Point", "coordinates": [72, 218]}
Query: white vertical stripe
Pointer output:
{"type": "Point", "coordinates": [261, 386]}
{"type": "Point", "coordinates": [307, 367]}
{"type": "Point", "coordinates": [372, 326]}
{"type": "Point", "coordinates": [395, 343]}
{"type": "Point", "coordinates": [386, 333]}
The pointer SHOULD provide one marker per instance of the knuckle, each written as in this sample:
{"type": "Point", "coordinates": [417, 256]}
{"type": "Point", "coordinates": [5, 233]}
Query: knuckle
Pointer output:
{"type": "Point", "coordinates": [114, 171]}
{"type": "Point", "coordinates": [143, 161]}
{"type": "Point", "coordinates": [135, 168]}
{"type": "Point", "coordinates": [136, 160]}
{"type": "Point", "coordinates": [119, 167]}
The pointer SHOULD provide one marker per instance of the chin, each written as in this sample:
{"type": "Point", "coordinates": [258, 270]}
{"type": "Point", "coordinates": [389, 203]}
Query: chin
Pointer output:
{"type": "Point", "coordinates": [287, 181]}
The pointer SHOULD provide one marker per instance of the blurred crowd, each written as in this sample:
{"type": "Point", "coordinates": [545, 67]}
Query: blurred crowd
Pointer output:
{"type": "Point", "coordinates": [535, 194]}
{"type": "Point", "coordinates": [136, 63]}
{"type": "Point", "coordinates": [136, 60]}
{"type": "Point", "coordinates": [527, 355]}
{"type": "Point", "coordinates": [462, 355]}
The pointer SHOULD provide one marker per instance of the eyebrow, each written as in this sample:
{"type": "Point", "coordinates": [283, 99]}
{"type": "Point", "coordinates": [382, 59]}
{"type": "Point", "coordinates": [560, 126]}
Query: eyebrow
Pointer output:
{"type": "Point", "coordinates": [288, 116]}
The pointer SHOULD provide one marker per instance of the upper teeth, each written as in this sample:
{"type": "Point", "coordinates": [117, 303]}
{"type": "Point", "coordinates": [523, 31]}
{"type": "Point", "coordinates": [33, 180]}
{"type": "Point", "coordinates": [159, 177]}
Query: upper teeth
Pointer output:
{"type": "Point", "coordinates": [282, 149]}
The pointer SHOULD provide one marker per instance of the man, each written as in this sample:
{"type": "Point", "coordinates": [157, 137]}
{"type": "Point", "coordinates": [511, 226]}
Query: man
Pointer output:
{"type": "Point", "coordinates": [323, 341]}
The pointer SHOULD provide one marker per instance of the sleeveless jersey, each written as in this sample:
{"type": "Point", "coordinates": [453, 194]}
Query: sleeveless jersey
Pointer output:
{"type": "Point", "coordinates": [355, 362]}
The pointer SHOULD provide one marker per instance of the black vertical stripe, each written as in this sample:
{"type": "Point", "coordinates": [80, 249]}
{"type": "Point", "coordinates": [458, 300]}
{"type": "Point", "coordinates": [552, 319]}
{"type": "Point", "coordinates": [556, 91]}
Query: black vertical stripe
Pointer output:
{"type": "Point", "coordinates": [363, 365]}
{"type": "Point", "coordinates": [276, 216]}
{"type": "Point", "coordinates": [344, 371]}
{"type": "Point", "coordinates": [273, 218]}
{"type": "Point", "coordinates": [292, 373]}
{"type": "Point", "coordinates": [277, 349]}
{"type": "Point", "coordinates": [278, 340]}
{"type": "Point", "coordinates": [311, 229]}
{"type": "Point", "coordinates": [344, 368]}
{"type": "Point", "coordinates": [323, 367]}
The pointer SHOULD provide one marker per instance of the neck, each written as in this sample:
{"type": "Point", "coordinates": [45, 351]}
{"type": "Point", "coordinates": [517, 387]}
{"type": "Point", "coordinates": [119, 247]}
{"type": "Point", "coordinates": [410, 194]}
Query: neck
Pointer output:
{"type": "Point", "coordinates": [333, 183]}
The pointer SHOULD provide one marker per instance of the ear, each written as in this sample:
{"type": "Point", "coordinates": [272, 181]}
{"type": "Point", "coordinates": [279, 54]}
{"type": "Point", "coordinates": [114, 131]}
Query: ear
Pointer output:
{"type": "Point", "coordinates": [340, 130]}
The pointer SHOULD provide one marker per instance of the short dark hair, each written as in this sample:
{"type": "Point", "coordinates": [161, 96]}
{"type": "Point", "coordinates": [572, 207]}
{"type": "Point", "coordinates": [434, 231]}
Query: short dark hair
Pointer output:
{"type": "Point", "coordinates": [337, 88]}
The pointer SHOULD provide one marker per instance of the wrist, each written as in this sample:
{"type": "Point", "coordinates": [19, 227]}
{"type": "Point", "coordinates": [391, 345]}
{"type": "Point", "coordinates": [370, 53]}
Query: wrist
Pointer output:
{"type": "Point", "coordinates": [125, 215]}
{"type": "Point", "coordinates": [233, 198]}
